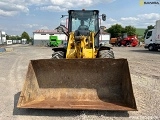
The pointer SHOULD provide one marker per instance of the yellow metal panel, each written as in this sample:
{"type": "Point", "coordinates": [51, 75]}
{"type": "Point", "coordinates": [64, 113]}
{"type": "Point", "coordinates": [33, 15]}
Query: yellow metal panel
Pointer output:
{"type": "Point", "coordinates": [70, 53]}
{"type": "Point", "coordinates": [81, 46]}
{"type": "Point", "coordinates": [88, 53]}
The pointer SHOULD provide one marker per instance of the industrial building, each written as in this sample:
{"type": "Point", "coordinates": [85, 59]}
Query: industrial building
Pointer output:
{"type": "Point", "coordinates": [2, 37]}
{"type": "Point", "coordinates": [104, 38]}
{"type": "Point", "coordinates": [41, 37]}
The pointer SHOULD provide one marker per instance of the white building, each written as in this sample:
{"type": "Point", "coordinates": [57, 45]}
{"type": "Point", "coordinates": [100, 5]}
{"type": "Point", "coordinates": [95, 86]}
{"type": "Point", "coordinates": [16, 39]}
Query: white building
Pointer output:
{"type": "Point", "coordinates": [104, 37]}
{"type": "Point", "coordinates": [9, 42]}
{"type": "Point", "coordinates": [24, 41]}
{"type": "Point", "coordinates": [41, 37]}
{"type": "Point", "coordinates": [2, 37]}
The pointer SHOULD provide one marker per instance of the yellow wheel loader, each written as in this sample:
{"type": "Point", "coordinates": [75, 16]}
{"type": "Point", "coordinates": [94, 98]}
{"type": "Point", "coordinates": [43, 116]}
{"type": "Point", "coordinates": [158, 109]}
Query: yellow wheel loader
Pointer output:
{"type": "Point", "coordinates": [83, 76]}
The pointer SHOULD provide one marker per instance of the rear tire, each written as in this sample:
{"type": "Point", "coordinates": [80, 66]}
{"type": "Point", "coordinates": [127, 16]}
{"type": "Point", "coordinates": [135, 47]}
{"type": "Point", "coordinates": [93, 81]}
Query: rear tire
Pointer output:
{"type": "Point", "coordinates": [58, 55]}
{"type": "Point", "coordinates": [118, 44]}
{"type": "Point", "coordinates": [106, 54]}
{"type": "Point", "coordinates": [155, 49]}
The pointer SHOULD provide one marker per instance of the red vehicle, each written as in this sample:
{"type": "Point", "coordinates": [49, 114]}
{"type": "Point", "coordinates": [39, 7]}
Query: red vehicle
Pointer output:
{"type": "Point", "coordinates": [128, 41]}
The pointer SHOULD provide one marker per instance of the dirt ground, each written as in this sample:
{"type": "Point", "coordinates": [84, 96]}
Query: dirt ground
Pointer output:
{"type": "Point", "coordinates": [145, 74]}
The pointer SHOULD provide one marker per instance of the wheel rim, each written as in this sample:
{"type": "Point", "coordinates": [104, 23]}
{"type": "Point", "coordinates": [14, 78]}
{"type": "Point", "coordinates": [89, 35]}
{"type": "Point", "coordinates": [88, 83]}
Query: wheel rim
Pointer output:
{"type": "Point", "coordinates": [119, 44]}
{"type": "Point", "coordinates": [127, 43]}
{"type": "Point", "coordinates": [150, 47]}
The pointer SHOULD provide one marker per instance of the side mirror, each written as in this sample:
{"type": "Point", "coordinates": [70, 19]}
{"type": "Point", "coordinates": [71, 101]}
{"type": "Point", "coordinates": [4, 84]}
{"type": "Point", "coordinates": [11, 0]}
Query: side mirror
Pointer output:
{"type": "Point", "coordinates": [104, 17]}
{"type": "Point", "coordinates": [62, 16]}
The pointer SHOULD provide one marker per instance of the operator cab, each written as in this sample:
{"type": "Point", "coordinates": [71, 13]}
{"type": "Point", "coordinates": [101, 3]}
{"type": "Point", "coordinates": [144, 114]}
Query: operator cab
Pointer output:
{"type": "Point", "coordinates": [82, 22]}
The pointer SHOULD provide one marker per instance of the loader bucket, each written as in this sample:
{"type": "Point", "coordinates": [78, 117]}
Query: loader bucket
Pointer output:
{"type": "Point", "coordinates": [84, 84]}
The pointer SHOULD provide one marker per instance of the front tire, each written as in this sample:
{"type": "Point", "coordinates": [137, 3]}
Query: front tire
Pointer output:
{"type": "Point", "coordinates": [151, 48]}
{"type": "Point", "coordinates": [58, 55]}
{"type": "Point", "coordinates": [119, 44]}
{"type": "Point", "coordinates": [106, 54]}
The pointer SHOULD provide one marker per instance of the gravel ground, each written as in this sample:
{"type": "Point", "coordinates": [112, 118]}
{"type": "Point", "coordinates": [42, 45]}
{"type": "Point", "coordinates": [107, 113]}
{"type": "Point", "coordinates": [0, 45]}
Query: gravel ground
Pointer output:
{"type": "Point", "coordinates": [145, 74]}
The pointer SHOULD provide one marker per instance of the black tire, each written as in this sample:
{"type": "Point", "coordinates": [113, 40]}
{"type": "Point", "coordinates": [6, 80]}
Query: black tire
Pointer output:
{"type": "Point", "coordinates": [119, 44]}
{"type": "Point", "coordinates": [58, 55]}
{"type": "Point", "coordinates": [151, 48]}
{"type": "Point", "coordinates": [127, 44]}
{"type": "Point", "coordinates": [106, 54]}
{"type": "Point", "coordinates": [155, 49]}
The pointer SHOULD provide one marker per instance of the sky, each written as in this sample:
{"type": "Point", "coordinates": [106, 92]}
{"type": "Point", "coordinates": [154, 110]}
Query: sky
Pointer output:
{"type": "Point", "coordinates": [17, 16]}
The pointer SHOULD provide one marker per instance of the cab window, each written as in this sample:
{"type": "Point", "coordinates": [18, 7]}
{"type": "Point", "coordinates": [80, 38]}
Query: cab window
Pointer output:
{"type": "Point", "coordinates": [148, 34]}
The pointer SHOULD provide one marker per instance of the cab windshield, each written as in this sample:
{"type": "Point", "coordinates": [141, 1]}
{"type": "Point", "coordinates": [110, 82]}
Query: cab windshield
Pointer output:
{"type": "Point", "coordinates": [88, 19]}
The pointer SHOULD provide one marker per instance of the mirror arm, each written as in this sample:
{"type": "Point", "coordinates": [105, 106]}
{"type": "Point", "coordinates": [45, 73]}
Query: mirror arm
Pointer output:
{"type": "Point", "coordinates": [66, 33]}
{"type": "Point", "coordinates": [64, 26]}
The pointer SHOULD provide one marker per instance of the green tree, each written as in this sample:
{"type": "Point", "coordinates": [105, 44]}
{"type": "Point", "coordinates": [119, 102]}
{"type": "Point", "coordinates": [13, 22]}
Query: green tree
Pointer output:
{"type": "Point", "coordinates": [18, 37]}
{"type": "Point", "coordinates": [12, 37]}
{"type": "Point", "coordinates": [148, 28]}
{"type": "Point", "coordinates": [130, 30]}
{"type": "Point", "coordinates": [115, 30]}
{"type": "Point", "coordinates": [25, 36]}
